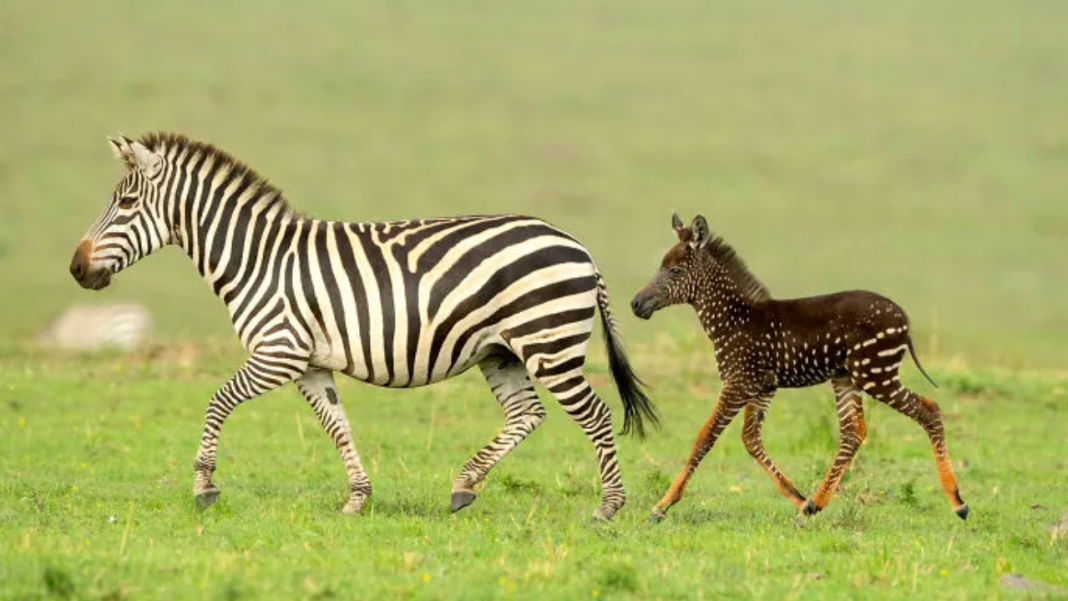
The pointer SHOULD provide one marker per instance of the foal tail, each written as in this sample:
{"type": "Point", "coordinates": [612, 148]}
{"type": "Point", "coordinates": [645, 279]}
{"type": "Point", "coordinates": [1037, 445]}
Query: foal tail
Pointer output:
{"type": "Point", "coordinates": [636, 406]}
{"type": "Point", "coordinates": [912, 351]}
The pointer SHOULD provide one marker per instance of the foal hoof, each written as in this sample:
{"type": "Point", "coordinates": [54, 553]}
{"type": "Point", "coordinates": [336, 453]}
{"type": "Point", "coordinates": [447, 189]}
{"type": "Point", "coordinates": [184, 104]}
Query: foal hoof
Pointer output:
{"type": "Point", "coordinates": [810, 509]}
{"type": "Point", "coordinates": [656, 517]}
{"type": "Point", "coordinates": [207, 497]}
{"type": "Point", "coordinates": [962, 511]}
{"type": "Point", "coordinates": [461, 499]}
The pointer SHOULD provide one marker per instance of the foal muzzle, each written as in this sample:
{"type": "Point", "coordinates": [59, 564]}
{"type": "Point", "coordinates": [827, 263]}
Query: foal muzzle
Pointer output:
{"type": "Point", "coordinates": [645, 303]}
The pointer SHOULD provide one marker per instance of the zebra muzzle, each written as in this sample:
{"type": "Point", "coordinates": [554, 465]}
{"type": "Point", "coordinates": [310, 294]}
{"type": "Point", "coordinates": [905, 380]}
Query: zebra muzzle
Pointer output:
{"type": "Point", "coordinates": [83, 272]}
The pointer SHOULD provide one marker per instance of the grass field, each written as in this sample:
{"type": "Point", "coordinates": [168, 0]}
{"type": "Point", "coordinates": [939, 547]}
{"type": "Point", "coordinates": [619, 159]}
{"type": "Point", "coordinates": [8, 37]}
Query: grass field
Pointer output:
{"type": "Point", "coordinates": [915, 148]}
{"type": "Point", "coordinates": [97, 478]}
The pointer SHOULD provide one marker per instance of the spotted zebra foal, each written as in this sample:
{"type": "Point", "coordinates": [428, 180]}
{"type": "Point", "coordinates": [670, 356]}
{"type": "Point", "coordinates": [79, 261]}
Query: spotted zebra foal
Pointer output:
{"type": "Point", "coordinates": [399, 304]}
{"type": "Point", "coordinates": [855, 339]}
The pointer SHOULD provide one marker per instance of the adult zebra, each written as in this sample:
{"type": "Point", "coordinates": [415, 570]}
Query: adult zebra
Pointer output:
{"type": "Point", "coordinates": [398, 304]}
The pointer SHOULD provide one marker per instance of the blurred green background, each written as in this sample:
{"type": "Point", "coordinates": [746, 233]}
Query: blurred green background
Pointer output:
{"type": "Point", "coordinates": [916, 148]}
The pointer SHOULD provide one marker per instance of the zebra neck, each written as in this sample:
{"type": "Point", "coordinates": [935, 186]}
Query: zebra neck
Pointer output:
{"type": "Point", "coordinates": [231, 245]}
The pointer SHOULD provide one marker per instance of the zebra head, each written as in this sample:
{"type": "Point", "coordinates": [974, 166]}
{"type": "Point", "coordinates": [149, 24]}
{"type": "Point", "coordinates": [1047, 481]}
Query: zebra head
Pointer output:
{"type": "Point", "coordinates": [132, 226]}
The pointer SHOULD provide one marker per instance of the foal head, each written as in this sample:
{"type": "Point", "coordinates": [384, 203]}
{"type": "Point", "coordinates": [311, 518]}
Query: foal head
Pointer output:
{"type": "Point", "coordinates": [677, 281]}
{"type": "Point", "coordinates": [702, 270]}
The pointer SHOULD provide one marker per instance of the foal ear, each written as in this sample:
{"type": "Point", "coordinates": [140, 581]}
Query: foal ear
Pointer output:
{"type": "Point", "coordinates": [681, 230]}
{"type": "Point", "coordinates": [701, 233]}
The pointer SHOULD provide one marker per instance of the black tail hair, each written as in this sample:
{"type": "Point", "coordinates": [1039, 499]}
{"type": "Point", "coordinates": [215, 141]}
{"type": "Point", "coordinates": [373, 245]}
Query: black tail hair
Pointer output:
{"type": "Point", "coordinates": [636, 406]}
{"type": "Point", "coordinates": [912, 351]}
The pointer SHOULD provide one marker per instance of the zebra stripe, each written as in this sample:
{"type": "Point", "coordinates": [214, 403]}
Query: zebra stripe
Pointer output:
{"type": "Point", "coordinates": [399, 304]}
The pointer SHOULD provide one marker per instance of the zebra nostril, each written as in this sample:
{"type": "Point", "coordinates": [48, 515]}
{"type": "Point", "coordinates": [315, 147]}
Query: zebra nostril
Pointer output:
{"type": "Point", "coordinates": [77, 269]}
{"type": "Point", "coordinates": [79, 263]}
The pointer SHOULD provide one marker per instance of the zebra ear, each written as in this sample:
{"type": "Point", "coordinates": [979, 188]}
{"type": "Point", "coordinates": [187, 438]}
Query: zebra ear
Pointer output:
{"type": "Point", "coordinates": [120, 147]}
{"type": "Point", "coordinates": [147, 161]}
{"type": "Point", "coordinates": [701, 233]}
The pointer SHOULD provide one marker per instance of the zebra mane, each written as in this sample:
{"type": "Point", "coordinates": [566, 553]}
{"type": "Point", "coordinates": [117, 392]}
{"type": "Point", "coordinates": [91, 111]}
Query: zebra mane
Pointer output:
{"type": "Point", "coordinates": [748, 284]}
{"type": "Point", "coordinates": [171, 144]}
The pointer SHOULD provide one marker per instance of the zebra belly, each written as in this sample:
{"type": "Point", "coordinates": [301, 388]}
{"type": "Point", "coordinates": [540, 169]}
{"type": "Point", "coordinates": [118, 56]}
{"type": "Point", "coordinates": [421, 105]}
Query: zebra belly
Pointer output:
{"type": "Point", "coordinates": [396, 374]}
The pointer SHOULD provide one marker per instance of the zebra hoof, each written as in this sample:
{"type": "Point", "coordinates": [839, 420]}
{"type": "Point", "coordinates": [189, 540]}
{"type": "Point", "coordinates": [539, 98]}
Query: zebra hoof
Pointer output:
{"type": "Point", "coordinates": [656, 517]}
{"type": "Point", "coordinates": [962, 511]}
{"type": "Point", "coordinates": [207, 497]}
{"type": "Point", "coordinates": [810, 508]}
{"type": "Point", "coordinates": [353, 507]}
{"type": "Point", "coordinates": [461, 499]}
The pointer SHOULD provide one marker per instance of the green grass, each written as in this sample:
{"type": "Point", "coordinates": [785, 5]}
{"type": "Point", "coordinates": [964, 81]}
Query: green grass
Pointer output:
{"type": "Point", "coordinates": [910, 147]}
{"type": "Point", "coordinates": [95, 470]}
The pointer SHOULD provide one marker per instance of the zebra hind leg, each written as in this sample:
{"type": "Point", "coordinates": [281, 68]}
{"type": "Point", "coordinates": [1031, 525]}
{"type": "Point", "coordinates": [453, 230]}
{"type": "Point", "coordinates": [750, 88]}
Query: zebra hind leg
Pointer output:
{"type": "Point", "coordinates": [523, 412]}
{"type": "Point", "coordinates": [317, 386]}
{"type": "Point", "coordinates": [565, 380]}
{"type": "Point", "coordinates": [261, 373]}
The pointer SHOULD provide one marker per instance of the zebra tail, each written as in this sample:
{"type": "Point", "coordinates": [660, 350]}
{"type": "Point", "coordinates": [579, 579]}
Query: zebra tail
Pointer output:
{"type": "Point", "coordinates": [637, 408]}
{"type": "Point", "coordinates": [912, 351]}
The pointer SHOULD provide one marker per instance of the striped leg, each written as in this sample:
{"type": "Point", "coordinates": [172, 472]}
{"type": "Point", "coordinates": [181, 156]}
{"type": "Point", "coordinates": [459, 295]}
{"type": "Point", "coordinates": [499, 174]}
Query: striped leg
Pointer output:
{"type": "Point", "coordinates": [259, 374]}
{"type": "Point", "coordinates": [317, 386]}
{"type": "Point", "coordinates": [523, 412]}
{"type": "Point", "coordinates": [754, 421]}
{"type": "Point", "coordinates": [852, 430]}
{"type": "Point", "coordinates": [927, 413]}
{"type": "Point", "coordinates": [565, 381]}
{"type": "Point", "coordinates": [728, 405]}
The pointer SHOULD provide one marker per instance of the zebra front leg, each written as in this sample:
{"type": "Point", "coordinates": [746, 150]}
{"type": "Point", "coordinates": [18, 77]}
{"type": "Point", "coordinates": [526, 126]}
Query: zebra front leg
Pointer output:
{"type": "Point", "coordinates": [852, 431]}
{"type": "Point", "coordinates": [751, 438]}
{"type": "Point", "coordinates": [259, 374]}
{"type": "Point", "coordinates": [727, 406]}
{"type": "Point", "coordinates": [317, 386]}
{"type": "Point", "coordinates": [523, 412]}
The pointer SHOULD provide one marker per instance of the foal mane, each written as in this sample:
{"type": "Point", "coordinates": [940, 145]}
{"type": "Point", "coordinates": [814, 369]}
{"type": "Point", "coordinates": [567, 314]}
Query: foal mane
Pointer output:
{"type": "Point", "coordinates": [171, 145]}
{"type": "Point", "coordinates": [748, 284]}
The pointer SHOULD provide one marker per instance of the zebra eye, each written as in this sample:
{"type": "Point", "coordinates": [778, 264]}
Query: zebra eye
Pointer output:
{"type": "Point", "coordinates": [675, 269]}
{"type": "Point", "coordinates": [127, 202]}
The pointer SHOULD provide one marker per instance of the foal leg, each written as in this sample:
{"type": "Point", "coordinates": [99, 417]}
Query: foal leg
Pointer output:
{"type": "Point", "coordinates": [851, 433]}
{"type": "Point", "coordinates": [317, 386]}
{"type": "Point", "coordinates": [754, 421]}
{"type": "Point", "coordinates": [927, 413]}
{"type": "Point", "coordinates": [877, 374]}
{"type": "Point", "coordinates": [523, 413]}
{"type": "Point", "coordinates": [727, 406]}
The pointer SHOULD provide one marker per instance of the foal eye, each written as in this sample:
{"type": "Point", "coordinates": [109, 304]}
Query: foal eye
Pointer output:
{"type": "Point", "coordinates": [127, 202]}
{"type": "Point", "coordinates": [675, 269]}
